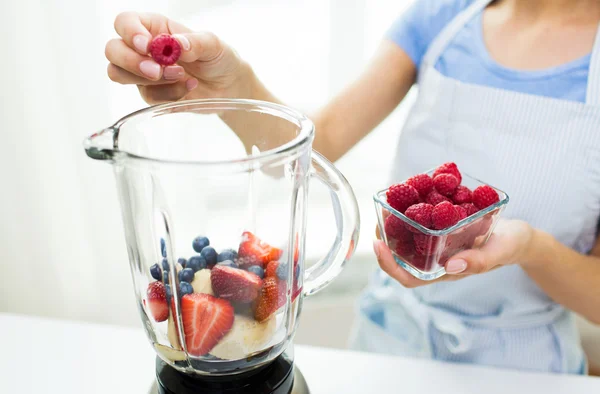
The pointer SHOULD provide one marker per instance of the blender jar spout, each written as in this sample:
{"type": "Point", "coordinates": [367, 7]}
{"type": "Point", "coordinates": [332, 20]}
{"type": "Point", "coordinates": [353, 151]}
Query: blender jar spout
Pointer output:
{"type": "Point", "coordinates": [102, 145]}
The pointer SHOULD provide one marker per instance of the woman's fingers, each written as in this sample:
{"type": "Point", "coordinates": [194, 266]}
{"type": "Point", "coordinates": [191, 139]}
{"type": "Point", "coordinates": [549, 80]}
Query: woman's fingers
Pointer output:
{"type": "Point", "coordinates": [118, 53]}
{"type": "Point", "coordinates": [200, 46]}
{"type": "Point", "coordinates": [157, 94]}
{"type": "Point", "coordinates": [135, 27]}
{"type": "Point", "coordinates": [171, 74]}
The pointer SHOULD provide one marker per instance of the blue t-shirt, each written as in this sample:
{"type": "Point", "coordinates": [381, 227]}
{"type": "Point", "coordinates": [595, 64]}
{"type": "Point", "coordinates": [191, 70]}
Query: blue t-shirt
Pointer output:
{"type": "Point", "coordinates": [466, 57]}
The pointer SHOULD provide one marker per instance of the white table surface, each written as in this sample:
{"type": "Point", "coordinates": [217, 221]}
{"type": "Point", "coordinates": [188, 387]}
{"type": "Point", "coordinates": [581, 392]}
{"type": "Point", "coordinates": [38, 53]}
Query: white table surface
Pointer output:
{"type": "Point", "coordinates": [53, 356]}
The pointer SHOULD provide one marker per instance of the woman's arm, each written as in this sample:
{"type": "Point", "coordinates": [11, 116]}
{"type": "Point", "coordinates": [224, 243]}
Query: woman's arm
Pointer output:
{"type": "Point", "coordinates": [568, 277]}
{"type": "Point", "coordinates": [357, 110]}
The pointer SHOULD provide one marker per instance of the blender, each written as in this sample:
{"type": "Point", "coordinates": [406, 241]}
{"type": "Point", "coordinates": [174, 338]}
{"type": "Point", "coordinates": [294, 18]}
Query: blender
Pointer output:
{"type": "Point", "coordinates": [214, 205]}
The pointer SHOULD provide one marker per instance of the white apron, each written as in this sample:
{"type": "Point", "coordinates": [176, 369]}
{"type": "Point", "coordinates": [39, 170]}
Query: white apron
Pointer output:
{"type": "Point", "coordinates": [545, 153]}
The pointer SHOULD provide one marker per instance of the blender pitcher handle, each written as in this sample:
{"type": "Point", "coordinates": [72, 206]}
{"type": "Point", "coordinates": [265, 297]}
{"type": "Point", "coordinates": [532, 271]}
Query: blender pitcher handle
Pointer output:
{"type": "Point", "coordinates": [345, 209]}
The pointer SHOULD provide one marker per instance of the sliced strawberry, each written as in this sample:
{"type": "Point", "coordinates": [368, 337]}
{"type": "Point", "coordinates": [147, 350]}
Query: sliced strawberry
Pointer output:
{"type": "Point", "coordinates": [234, 284]}
{"type": "Point", "coordinates": [253, 251]}
{"type": "Point", "coordinates": [272, 297]}
{"type": "Point", "coordinates": [157, 301]}
{"type": "Point", "coordinates": [271, 270]}
{"type": "Point", "coordinates": [206, 320]}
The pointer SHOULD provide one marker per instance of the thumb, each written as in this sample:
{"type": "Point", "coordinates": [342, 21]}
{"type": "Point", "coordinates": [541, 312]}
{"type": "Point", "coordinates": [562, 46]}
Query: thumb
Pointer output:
{"type": "Point", "coordinates": [199, 46]}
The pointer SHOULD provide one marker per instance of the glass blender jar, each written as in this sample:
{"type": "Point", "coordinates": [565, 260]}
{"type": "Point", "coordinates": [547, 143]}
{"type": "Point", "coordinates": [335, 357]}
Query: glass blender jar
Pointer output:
{"type": "Point", "coordinates": [214, 204]}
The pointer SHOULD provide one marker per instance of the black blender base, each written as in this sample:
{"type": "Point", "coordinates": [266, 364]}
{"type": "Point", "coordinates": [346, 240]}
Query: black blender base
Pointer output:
{"type": "Point", "coordinates": [278, 377]}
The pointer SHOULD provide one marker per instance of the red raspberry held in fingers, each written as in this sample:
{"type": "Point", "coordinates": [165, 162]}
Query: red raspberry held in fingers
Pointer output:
{"type": "Point", "coordinates": [165, 49]}
{"type": "Point", "coordinates": [470, 208]}
{"type": "Point", "coordinates": [422, 183]}
{"type": "Point", "coordinates": [402, 196]}
{"type": "Point", "coordinates": [448, 168]}
{"type": "Point", "coordinates": [420, 213]}
{"type": "Point", "coordinates": [462, 213]}
{"type": "Point", "coordinates": [462, 195]}
{"type": "Point", "coordinates": [400, 240]}
{"type": "Point", "coordinates": [434, 198]}
{"type": "Point", "coordinates": [484, 196]}
{"type": "Point", "coordinates": [445, 184]}
{"type": "Point", "coordinates": [444, 215]}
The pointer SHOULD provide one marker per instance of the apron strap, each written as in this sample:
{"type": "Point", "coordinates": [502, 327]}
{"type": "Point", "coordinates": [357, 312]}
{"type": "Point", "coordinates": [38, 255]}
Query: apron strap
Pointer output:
{"type": "Point", "coordinates": [447, 34]}
{"type": "Point", "coordinates": [593, 85]}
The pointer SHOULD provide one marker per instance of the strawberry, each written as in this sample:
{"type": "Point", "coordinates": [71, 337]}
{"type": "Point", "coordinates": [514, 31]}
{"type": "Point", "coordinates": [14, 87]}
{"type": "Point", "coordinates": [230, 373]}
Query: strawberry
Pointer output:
{"type": "Point", "coordinates": [434, 198]}
{"type": "Point", "coordinates": [444, 215]}
{"type": "Point", "coordinates": [271, 271]}
{"type": "Point", "coordinates": [402, 196]}
{"type": "Point", "coordinates": [206, 320]}
{"type": "Point", "coordinates": [422, 183]}
{"type": "Point", "coordinates": [484, 196]}
{"type": "Point", "coordinates": [272, 297]}
{"type": "Point", "coordinates": [234, 284]}
{"type": "Point", "coordinates": [420, 213]}
{"type": "Point", "coordinates": [253, 251]}
{"type": "Point", "coordinates": [448, 168]}
{"type": "Point", "coordinates": [445, 184]}
{"type": "Point", "coordinates": [462, 195]}
{"type": "Point", "coordinates": [157, 301]}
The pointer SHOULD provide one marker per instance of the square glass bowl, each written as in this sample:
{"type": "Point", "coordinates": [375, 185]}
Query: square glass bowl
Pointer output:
{"type": "Point", "coordinates": [424, 252]}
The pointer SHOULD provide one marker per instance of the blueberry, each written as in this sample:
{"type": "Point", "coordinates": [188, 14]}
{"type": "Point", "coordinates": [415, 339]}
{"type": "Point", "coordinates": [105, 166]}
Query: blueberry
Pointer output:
{"type": "Point", "coordinates": [165, 264]}
{"type": "Point", "coordinates": [200, 243]}
{"type": "Point", "coordinates": [166, 276]}
{"type": "Point", "coordinates": [163, 247]}
{"type": "Point", "coordinates": [156, 272]}
{"type": "Point", "coordinates": [168, 293]}
{"type": "Point", "coordinates": [196, 263]}
{"type": "Point", "coordinates": [186, 275]}
{"type": "Point", "coordinates": [227, 254]}
{"type": "Point", "coordinates": [182, 261]}
{"type": "Point", "coordinates": [282, 271]}
{"type": "Point", "coordinates": [297, 272]}
{"type": "Point", "coordinates": [255, 269]}
{"type": "Point", "coordinates": [228, 263]}
{"type": "Point", "coordinates": [185, 288]}
{"type": "Point", "coordinates": [210, 255]}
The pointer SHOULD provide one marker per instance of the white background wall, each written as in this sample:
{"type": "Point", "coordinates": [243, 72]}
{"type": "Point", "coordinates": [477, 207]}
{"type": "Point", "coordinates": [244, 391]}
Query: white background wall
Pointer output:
{"type": "Point", "coordinates": [63, 250]}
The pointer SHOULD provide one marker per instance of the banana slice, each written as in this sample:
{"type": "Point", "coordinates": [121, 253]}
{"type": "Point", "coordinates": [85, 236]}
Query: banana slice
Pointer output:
{"type": "Point", "coordinates": [245, 337]}
{"type": "Point", "coordinates": [172, 334]}
{"type": "Point", "coordinates": [169, 353]}
{"type": "Point", "coordinates": [201, 282]}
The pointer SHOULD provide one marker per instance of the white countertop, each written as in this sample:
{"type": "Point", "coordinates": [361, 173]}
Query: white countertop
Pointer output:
{"type": "Point", "coordinates": [53, 356]}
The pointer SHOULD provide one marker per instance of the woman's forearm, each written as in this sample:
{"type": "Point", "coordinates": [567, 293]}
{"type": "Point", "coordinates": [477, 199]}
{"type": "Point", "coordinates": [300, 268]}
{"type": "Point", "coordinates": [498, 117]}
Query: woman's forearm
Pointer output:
{"type": "Point", "coordinates": [568, 277]}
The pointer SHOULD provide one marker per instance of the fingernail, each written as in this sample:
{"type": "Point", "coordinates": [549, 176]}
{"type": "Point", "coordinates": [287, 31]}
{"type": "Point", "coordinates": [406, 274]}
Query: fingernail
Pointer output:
{"type": "Point", "coordinates": [456, 266]}
{"type": "Point", "coordinates": [150, 68]}
{"type": "Point", "coordinates": [173, 72]}
{"type": "Point", "coordinates": [140, 42]}
{"type": "Point", "coordinates": [185, 43]}
{"type": "Point", "coordinates": [191, 84]}
{"type": "Point", "coordinates": [376, 248]}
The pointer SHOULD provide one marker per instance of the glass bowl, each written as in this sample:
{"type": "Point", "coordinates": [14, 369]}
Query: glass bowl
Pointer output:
{"type": "Point", "coordinates": [424, 252]}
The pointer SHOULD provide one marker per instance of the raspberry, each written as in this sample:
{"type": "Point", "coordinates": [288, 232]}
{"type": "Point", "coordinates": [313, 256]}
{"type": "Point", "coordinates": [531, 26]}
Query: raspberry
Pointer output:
{"type": "Point", "coordinates": [470, 208]}
{"type": "Point", "coordinates": [444, 215]}
{"type": "Point", "coordinates": [462, 195]}
{"type": "Point", "coordinates": [462, 213]}
{"type": "Point", "coordinates": [445, 184]}
{"type": "Point", "coordinates": [484, 196]}
{"type": "Point", "coordinates": [422, 183]}
{"type": "Point", "coordinates": [399, 238]}
{"type": "Point", "coordinates": [165, 49]}
{"type": "Point", "coordinates": [448, 168]}
{"type": "Point", "coordinates": [402, 196]}
{"type": "Point", "coordinates": [420, 213]}
{"type": "Point", "coordinates": [426, 245]}
{"type": "Point", "coordinates": [434, 198]}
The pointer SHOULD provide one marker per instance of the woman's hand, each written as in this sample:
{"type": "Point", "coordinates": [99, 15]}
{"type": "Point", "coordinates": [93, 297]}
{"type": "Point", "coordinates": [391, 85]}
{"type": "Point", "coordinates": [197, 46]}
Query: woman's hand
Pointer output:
{"type": "Point", "coordinates": [207, 67]}
{"type": "Point", "coordinates": [510, 243]}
